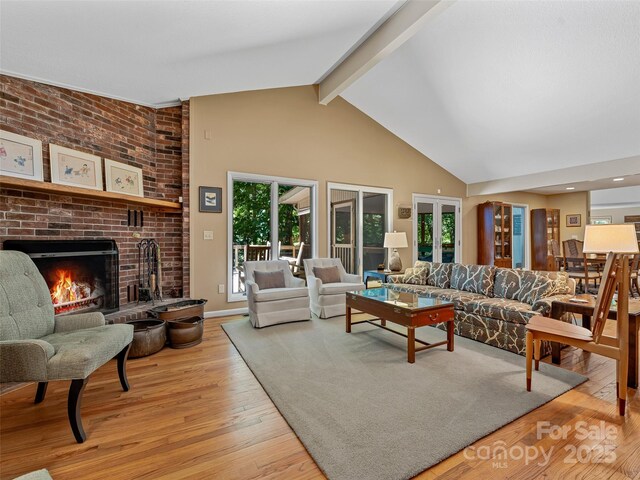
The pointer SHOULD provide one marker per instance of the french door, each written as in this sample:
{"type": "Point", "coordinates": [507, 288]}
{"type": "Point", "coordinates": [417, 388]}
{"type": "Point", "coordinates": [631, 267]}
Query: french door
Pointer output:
{"type": "Point", "coordinates": [359, 217]}
{"type": "Point", "coordinates": [437, 235]}
{"type": "Point", "coordinates": [343, 233]}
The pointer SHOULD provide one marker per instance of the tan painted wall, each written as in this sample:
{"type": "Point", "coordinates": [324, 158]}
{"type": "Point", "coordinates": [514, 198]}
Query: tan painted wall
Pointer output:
{"type": "Point", "coordinates": [285, 132]}
{"type": "Point", "coordinates": [569, 204]}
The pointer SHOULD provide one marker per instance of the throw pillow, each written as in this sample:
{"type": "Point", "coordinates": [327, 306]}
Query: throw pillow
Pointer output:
{"type": "Point", "coordinates": [559, 286]}
{"type": "Point", "coordinates": [440, 275]}
{"type": "Point", "coordinates": [415, 276]}
{"type": "Point", "coordinates": [533, 287]}
{"type": "Point", "coordinates": [507, 283]}
{"type": "Point", "coordinates": [473, 278]}
{"type": "Point", "coordinates": [327, 274]}
{"type": "Point", "coordinates": [266, 280]}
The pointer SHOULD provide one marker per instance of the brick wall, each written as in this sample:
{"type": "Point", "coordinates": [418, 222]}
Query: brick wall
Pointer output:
{"type": "Point", "coordinates": [140, 136]}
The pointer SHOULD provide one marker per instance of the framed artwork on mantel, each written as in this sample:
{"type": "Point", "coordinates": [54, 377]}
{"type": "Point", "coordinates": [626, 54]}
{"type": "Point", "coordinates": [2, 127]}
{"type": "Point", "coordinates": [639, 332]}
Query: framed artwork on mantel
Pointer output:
{"type": "Point", "coordinates": [76, 169]}
{"type": "Point", "coordinates": [20, 156]}
{"type": "Point", "coordinates": [123, 178]}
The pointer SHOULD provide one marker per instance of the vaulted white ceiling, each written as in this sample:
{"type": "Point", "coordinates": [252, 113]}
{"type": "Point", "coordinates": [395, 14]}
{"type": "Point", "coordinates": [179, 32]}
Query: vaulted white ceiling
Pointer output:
{"type": "Point", "coordinates": [499, 89]}
{"type": "Point", "coordinates": [487, 89]}
{"type": "Point", "coordinates": [154, 52]}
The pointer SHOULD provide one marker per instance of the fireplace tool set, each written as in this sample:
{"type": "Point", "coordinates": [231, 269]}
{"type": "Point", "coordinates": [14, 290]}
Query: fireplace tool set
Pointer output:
{"type": "Point", "coordinates": [149, 271]}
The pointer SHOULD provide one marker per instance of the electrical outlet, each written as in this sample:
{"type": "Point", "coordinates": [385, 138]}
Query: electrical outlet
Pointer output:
{"type": "Point", "coordinates": [221, 288]}
{"type": "Point", "coordinates": [208, 235]}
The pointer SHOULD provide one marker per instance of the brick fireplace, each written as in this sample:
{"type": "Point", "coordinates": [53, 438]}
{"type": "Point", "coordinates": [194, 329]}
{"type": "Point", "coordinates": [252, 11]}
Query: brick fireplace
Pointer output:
{"type": "Point", "coordinates": [155, 140]}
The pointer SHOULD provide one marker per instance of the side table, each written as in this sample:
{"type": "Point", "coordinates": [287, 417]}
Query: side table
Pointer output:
{"type": "Point", "coordinates": [380, 275]}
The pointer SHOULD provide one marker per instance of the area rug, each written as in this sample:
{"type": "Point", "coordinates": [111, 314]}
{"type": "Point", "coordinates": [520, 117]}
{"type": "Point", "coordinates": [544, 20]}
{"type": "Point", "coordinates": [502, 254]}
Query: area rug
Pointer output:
{"type": "Point", "coordinates": [363, 412]}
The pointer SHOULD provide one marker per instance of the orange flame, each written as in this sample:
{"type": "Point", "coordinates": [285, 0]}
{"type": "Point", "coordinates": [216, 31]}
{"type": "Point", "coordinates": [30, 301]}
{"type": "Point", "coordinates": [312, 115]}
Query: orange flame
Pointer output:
{"type": "Point", "coordinates": [63, 291]}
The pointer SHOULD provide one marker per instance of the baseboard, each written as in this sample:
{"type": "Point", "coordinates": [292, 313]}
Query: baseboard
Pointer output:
{"type": "Point", "coordinates": [226, 313]}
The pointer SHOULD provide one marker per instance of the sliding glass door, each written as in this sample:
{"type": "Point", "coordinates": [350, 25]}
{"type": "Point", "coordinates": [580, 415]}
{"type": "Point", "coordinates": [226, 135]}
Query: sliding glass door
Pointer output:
{"type": "Point", "coordinates": [269, 218]}
{"type": "Point", "coordinates": [358, 219]}
{"type": "Point", "coordinates": [436, 227]}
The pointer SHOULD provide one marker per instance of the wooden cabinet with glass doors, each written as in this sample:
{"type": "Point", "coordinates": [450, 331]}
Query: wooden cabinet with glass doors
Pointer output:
{"type": "Point", "coordinates": [494, 234]}
{"type": "Point", "coordinates": [545, 238]}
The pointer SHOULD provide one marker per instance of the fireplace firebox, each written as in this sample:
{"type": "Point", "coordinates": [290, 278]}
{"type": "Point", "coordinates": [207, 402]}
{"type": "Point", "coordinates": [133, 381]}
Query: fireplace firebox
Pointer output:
{"type": "Point", "coordinates": [82, 275]}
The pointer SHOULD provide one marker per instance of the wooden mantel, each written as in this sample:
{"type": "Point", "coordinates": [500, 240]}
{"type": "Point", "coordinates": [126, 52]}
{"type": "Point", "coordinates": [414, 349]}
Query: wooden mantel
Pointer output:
{"type": "Point", "coordinates": [54, 188]}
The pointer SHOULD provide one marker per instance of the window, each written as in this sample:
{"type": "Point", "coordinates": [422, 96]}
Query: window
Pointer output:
{"type": "Point", "coordinates": [269, 218]}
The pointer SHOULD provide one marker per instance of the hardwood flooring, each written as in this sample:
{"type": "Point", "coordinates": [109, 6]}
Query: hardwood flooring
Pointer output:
{"type": "Point", "coordinates": [201, 414]}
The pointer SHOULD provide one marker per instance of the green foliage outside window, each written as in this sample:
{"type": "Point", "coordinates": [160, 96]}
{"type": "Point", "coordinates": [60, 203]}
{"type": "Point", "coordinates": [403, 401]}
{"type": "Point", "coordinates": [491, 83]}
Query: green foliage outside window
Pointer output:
{"type": "Point", "coordinates": [252, 215]}
{"type": "Point", "coordinates": [425, 228]}
{"type": "Point", "coordinates": [373, 228]}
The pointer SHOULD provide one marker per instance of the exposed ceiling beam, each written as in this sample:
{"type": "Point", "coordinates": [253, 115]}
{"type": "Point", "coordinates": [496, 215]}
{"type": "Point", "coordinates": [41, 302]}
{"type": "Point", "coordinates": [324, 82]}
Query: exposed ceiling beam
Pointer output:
{"type": "Point", "coordinates": [564, 176]}
{"type": "Point", "coordinates": [381, 43]}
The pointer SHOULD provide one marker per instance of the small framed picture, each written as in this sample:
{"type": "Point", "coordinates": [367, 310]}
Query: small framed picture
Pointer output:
{"type": "Point", "coordinates": [574, 220]}
{"type": "Point", "coordinates": [74, 168]}
{"type": "Point", "coordinates": [211, 199]}
{"type": "Point", "coordinates": [20, 156]}
{"type": "Point", "coordinates": [123, 178]}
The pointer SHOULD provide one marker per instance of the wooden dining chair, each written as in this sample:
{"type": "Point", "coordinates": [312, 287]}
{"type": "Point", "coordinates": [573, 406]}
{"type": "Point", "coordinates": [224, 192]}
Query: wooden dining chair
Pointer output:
{"type": "Point", "coordinates": [544, 328]}
{"type": "Point", "coordinates": [578, 266]}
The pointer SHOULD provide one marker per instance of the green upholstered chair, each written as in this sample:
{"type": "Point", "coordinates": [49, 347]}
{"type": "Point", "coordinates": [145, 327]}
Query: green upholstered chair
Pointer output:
{"type": "Point", "coordinates": [36, 346]}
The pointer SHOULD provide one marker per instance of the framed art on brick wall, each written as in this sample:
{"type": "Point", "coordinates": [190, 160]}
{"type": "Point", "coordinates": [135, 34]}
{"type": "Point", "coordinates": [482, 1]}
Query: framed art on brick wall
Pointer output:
{"type": "Point", "coordinates": [20, 156]}
{"type": "Point", "coordinates": [123, 178]}
{"type": "Point", "coordinates": [77, 169]}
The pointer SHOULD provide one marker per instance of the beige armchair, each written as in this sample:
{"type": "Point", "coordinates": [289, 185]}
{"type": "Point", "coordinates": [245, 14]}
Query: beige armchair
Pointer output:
{"type": "Point", "coordinates": [270, 305]}
{"type": "Point", "coordinates": [328, 299]}
{"type": "Point", "coordinates": [36, 346]}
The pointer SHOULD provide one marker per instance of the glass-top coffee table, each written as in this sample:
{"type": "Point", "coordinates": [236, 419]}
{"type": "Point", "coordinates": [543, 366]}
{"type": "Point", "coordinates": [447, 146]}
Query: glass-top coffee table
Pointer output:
{"type": "Point", "coordinates": [406, 309]}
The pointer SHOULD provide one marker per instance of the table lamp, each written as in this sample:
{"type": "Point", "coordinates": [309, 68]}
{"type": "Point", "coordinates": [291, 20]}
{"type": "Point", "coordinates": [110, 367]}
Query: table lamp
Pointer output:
{"type": "Point", "coordinates": [617, 241]}
{"type": "Point", "coordinates": [394, 241]}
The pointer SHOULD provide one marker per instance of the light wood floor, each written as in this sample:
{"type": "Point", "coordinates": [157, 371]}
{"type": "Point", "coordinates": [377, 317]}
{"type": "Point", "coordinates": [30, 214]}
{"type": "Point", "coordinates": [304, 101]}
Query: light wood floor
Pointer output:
{"type": "Point", "coordinates": [201, 414]}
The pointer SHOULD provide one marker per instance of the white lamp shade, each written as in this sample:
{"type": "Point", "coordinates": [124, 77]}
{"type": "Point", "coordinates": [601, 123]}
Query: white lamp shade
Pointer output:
{"type": "Point", "coordinates": [395, 240]}
{"type": "Point", "coordinates": [610, 238]}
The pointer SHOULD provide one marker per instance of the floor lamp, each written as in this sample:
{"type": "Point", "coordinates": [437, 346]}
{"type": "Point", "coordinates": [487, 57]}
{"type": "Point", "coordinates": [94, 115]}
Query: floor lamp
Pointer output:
{"type": "Point", "coordinates": [618, 242]}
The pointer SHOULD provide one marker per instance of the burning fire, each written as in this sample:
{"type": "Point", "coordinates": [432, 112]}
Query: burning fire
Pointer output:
{"type": "Point", "coordinates": [66, 290]}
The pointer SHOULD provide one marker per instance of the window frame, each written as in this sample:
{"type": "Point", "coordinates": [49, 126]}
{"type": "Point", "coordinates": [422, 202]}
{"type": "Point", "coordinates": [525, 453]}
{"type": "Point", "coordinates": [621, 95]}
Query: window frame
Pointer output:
{"type": "Point", "coordinates": [275, 182]}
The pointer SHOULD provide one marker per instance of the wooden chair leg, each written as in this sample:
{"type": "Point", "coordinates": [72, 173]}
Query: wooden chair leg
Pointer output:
{"type": "Point", "coordinates": [622, 384]}
{"type": "Point", "coordinates": [537, 346]}
{"type": "Point", "coordinates": [73, 408]}
{"type": "Point", "coordinates": [41, 391]}
{"type": "Point", "coordinates": [617, 378]}
{"type": "Point", "coordinates": [122, 367]}
{"type": "Point", "coordinates": [529, 359]}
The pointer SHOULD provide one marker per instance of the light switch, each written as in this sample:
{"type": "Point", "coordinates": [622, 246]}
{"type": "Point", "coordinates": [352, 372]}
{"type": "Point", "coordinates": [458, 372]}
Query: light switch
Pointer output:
{"type": "Point", "coordinates": [207, 134]}
{"type": "Point", "coordinates": [208, 235]}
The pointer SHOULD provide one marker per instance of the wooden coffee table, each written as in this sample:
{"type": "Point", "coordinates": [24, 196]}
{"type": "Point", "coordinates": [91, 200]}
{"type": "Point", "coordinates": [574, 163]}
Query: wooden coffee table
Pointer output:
{"type": "Point", "coordinates": [406, 309]}
{"type": "Point", "coordinates": [558, 308]}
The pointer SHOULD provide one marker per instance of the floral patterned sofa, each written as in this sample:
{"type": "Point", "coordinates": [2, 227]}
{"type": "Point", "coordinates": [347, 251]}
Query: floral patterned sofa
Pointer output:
{"type": "Point", "coordinates": [492, 305]}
